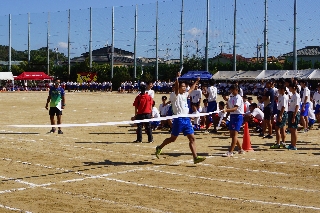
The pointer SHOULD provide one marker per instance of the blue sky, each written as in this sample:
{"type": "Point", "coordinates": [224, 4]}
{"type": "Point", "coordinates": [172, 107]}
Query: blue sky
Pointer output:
{"type": "Point", "coordinates": [250, 17]}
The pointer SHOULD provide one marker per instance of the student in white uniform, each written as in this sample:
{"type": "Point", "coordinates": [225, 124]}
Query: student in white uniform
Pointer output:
{"type": "Point", "coordinates": [236, 109]}
{"type": "Point", "coordinates": [316, 101]}
{"type": "Point", "coordinates": [305, 100]}
{"type": "Point", "coordinates": [181, 124]}
{"type": "Point", "coordinates": [293, 116]}
{"type": "Point", "coordinates": [282, 117]}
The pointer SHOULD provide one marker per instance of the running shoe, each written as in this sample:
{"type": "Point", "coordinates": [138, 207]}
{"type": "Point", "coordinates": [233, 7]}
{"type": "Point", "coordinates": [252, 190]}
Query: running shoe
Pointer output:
{"type": "Point", "coordinates": [275, 146]}
{"type": "Point", "coordinates": [283, 145]}
{"type": "Point", "coordinates": [158, 151]}
{"type": "Point", "coordinates": [241, 152]}
{"type": "Point", "coordinates": [198, 159]}
{"type": "Point", "coordinates": [52, 130]}
{"type": "Point", "coordinates": [290, 147]}
{"type": "Point", "coordinates": [228, 154]}
{"type": "Point", "coordinates": [268, 136]}
{"type": "Point", "coordinates": [137, 141]}
{"type": "Point", "coordinates": [60, 132]}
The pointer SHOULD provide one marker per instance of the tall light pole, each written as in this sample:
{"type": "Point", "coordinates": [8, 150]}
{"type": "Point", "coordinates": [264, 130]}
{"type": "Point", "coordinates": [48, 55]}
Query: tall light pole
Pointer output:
{"type": "Point", "coordinates": [265, 43]}
{"type": "Point", "coordinates": [295, 56]}
{"type": "Point", "coordinates": [157, 62]}
{"type": "Point", "coordinates": [135, 41]}
{"type": "Point", "coordinates": [90, 41]}
{"type": "Point", "coordinates": [48, 35]}
{"type": "Point", "coordinates": [69, 23]}
{"type": "Point", "coordinates": [9, 67]}
{"type": "Point", "coordinates": [207, 37]}
{"type": "Point", "coordinates": [181, 35]}
{"type": "Point", "coordinates": [235, 36]}
{"type": "Point", "coordinates": [112, 43]}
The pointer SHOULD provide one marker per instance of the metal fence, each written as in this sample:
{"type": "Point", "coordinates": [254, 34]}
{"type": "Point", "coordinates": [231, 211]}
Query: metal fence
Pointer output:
{"type": "Point", "coordinates": [154, 30]}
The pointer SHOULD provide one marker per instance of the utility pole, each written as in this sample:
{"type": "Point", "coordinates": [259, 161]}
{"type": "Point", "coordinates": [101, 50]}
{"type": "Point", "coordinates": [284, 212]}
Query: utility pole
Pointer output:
{"type": "Point", "coordinates": [181, 35]}
{"type": "Point", "coordinates": [207, 37]}
{"type": "Point", "coordinates": [265, 64]}
{"type": "Point", "coordinates": [295, 56]}
{"type": "Point", "coordinates": [235, 37]}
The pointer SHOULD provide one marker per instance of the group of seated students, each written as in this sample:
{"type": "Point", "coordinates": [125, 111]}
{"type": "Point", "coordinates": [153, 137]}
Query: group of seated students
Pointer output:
{"type": "Point", "coordinates": [275, 109]}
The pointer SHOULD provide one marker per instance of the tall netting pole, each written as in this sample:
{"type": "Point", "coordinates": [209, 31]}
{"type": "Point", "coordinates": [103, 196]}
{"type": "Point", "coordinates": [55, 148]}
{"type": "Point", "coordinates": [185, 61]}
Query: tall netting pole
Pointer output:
{"type": "Point", "coordinates": [69, 23]}
{"type": "Point", "coordinates": [207, 38]}
{"type": "Point", "coordinates": [157, 61]}
{"type": "Point", "coordinates": [181, 35]}
{"type": "Point", "coordinates": [295, 57]}
{"type": "Point", "coordinates": [135, 41]}
{"type": "Point", "coordinates": [48, 35]}
{"type": "Point", "coordinates": [90, 41]}
{"type": "Point", "coordinates": [265, 64]}
{"type": "Point", "coordinates": [235, 36]}
{"type": "Point", "coordinates": [9, 43]}
{"type": "Point", "coordinates": [29, 23]}
{"type": "Point", "coordinates": [112, 43]}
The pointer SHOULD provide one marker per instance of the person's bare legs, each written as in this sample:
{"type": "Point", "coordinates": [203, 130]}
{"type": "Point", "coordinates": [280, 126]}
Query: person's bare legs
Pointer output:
{"type": "Point", "coordinates": [59, 121]}
{"type": "Point", "coordinates": [283, 134]}
{"type": "Point", "coordinates": [192, 145]}
{"type": "Point", "coordinates": [168, 140]}
{"type": "Point", "coordinates": [278, 134]}
{"type": "Point", "coordinates": [294, 137]}
{"type": "Point", "coordinates": [234, 139]}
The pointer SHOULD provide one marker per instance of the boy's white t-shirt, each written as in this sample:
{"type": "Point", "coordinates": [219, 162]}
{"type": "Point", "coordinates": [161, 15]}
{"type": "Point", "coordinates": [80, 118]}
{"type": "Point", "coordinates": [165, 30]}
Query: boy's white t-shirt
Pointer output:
{"type": "Point", "coordinates": [306, 93]}
{"type": "Point", "coordinates": [311, 114]}
{"type": "Point", "coordinates": [180, 104]}
{"type": "Point", "coordinates": [155, 112]}
{"type": "Point", "coordinates": [163, 109]}
{"type": "Point", "coordinates": [236, 101]}
{"type": "Point", "coordinates": [283, 100]}
{"type": "Point", "coordinates": [196, 95]}
{"type": "Point", "coordinates": [150, 93]}
{"type": "Point", "coordinates": [261, 106]}
{"type": "Point", "coordinates": [212, 91]}
{"type": "Point", "coordinates": [316, 98]}
{"type": "Point", "coordinates": [258, 114]}
{"type": "Point", "coordinates": [294, 101]}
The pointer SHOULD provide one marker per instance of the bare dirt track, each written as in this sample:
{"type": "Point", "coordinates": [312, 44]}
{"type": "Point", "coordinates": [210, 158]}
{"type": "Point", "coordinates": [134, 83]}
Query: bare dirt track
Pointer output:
{"type": "Point", "coordinates": [99, 169]}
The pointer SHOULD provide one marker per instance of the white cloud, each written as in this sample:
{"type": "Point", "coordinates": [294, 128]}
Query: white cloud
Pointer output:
{"type": "Point", "coordinates": [195, 31]}
{"type": "Point", "coordinates": [62, 45]}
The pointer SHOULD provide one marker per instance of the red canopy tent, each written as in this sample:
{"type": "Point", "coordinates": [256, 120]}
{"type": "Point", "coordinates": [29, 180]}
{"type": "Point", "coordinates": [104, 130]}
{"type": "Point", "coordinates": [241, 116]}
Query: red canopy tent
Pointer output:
{"type": "Point", "coordinates": [37, 76]}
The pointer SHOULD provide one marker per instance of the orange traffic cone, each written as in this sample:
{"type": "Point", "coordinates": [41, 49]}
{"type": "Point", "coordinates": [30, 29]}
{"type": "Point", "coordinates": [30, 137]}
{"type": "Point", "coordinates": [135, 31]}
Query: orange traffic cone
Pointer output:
{"type": "Point", "coordinates": [246, 144]}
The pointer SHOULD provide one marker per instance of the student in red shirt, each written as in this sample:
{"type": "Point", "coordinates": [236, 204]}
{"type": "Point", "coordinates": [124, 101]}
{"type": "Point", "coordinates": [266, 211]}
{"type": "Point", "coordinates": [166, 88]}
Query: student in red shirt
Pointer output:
{"type": "Point", "coordinates": [143, 110]}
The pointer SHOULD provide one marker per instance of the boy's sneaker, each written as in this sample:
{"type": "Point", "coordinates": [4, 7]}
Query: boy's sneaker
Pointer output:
{"type": "Point", "coordinates": [275, 146]}
{"type": "Point", "coordinates": [60, 132]}
{"type": "Point", "coordinates": [150, 141]}
{"type": "Point", "coordinates": [228, 154]}
{"type": "Point", "coordinates": [137, 141]}
{"type": "Point", "coordinates": [52, 131]}
{"type": "Point", "coordinates": [198, 159]}
{"type": "Point", "coordinates": [283, 145]}
{"type": "Point", "coordinates": [268, 136]}
{"type": "Point", "coordinates": [290, 147]}
{"type": "Point", "coordinates": [241, 152]}
{"type": "Point", "coordinates": [261, 134]}
{"type": "Point", "coordinates": [158, 151]}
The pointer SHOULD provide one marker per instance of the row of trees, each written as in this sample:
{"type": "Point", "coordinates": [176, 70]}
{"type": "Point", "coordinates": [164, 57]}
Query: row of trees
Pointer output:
{"type": "Point", "coordinates": [38, 62]}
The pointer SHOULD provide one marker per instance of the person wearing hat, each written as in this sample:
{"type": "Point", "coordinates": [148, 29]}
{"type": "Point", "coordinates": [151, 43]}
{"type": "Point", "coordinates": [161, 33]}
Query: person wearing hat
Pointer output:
{"type": "Point", "coordinates": [142, 110]}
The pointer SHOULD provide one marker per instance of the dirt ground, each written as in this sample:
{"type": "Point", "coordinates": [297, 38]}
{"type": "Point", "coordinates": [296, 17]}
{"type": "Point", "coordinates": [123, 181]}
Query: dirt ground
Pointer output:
{"type": "Point", "coordinates": [99, 169]}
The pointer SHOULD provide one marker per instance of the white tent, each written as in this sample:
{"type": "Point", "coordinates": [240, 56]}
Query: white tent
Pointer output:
{"type": "Point", "coordinates": [6, 76]}
{"type": "Point", "coordinates": [268, 74]}
{"type": "Point", "coordinates": [224, 75]}
{"type": "Point", "coordinates": [300, 74]}
{"type": "Point", "coordinates": [246, 75]}
{"type": "Point", "coordinates": [315, 75]}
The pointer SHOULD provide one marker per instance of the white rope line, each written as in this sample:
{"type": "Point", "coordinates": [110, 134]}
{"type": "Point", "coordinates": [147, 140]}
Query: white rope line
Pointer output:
{"type": "Point", "coordinates": [116, 122]}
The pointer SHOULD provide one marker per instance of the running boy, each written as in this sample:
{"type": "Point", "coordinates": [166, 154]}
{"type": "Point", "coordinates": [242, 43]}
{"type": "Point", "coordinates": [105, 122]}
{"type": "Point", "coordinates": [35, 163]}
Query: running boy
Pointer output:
{"type": "Point", "coordinates": [181, 124]}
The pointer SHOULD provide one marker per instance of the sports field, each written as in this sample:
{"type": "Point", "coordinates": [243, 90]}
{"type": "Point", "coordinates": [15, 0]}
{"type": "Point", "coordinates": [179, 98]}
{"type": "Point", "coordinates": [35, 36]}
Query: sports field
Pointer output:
{"type": "Point", "coordinates": [99, 169]}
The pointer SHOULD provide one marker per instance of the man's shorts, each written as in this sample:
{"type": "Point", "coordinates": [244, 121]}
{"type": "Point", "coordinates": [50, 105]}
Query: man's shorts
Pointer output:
{"type": "Point", "coordinates": [236, 121]}
{"type": "Point", "coordinates": [54, 111]}
{"type": "Point", "coordinates": [296, 123]}
{"type": "Point", "coordinates": [268, 113]}
{"type": "Point", "coordinates": [212, 106]}
{"type": "Point", "coordinates": [305, 111]}
{"type": "Point", "coordinates": [182, 125]}
{"type": "Point", "coordinates": [317, 110]}
{"type": "Point", "coordinates": [284, 119]}
{"type": "Point", "coordinates": [311, 122]}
